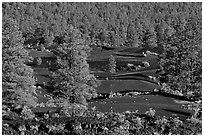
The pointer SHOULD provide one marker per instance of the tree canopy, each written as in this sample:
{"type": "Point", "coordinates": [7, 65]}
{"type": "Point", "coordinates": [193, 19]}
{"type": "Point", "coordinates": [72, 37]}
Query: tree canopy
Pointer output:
{"type": "Point", "coordinates": [17, 78]}
{"type": "Point", "coordinates": [115, 24]}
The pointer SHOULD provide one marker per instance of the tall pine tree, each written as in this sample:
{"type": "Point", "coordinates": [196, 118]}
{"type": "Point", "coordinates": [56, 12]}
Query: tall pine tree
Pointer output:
{"type": "Point", "coordinates": [17, 78]}
{"type": "Point", "coordinates": [73, 81]}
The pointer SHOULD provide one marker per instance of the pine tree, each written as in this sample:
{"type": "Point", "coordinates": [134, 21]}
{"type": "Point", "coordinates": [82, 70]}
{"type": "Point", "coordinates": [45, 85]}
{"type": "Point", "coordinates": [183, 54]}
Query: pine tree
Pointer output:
{"type": "Point", "coordinates": [149, 38]}
{"type": "Point", "coordinates": [49, 38]}
{"type": "Point", "coordinates": [130, 35]}
{"type": "Point", "coordinates": [112, 64]}
{"type": "Point", "coordinates": [73, 81]}
{"type": "Point", "coordinates": [17, 78]}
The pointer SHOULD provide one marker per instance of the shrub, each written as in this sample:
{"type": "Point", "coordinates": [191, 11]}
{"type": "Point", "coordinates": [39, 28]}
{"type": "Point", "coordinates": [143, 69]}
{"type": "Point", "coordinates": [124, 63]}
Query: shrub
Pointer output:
{"type": "Point", "coordinates": [42, 47]}
{"type": "Point", "coordinates": [151, 112]}
{"type": "Point", "coordinates": [38, 60]}
{"type": "Point", "coordinates": [146, 64]}
{"type": "Point", "coordinates": [161, 124]}
{"type": "Point", "coordinates": [111, 123]}
{"type": "Point", "coordinates": [27, 113]}
{"type": "Point", "coordinates": [73, 109]}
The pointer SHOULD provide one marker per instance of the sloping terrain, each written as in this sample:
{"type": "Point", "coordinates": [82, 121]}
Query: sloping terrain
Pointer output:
{"type": "Point", "coordinates": [164, 106]}
{"type": "Point", "coordinates": [139, 80]}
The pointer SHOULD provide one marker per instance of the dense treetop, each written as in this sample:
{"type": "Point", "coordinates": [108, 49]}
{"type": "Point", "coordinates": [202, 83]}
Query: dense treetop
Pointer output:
{"type": "Point", "coordinates": [111, 23]}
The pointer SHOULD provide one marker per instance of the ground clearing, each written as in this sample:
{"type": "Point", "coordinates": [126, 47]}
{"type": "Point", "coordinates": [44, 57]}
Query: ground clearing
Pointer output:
{"type": "Point", "coordinates": [41, 71]}
{"type": "Point", "coordinates": [125, 85]}
{"type": "Point", "coordinates": [40, 79]}
{"type": "Point", "coordinates": [164, 106]}
{"type": "Point", "coordinates": [45, 54]}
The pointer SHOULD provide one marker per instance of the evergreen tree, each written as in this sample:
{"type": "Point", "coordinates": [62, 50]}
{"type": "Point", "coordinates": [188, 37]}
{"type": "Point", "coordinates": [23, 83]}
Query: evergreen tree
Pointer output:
{"type": "Point", "coordinates": [17, 78]}
{"type": "Point", "coordinates": [149, 38]}
{"type": "Point", "coordinates": [112, 64]}
{"type": "Point", "coordinates": [49, 38]}
{"type": "Point", "coordinates": [131, 37]}
{"type": "Point", "coordinates": [73, 80]}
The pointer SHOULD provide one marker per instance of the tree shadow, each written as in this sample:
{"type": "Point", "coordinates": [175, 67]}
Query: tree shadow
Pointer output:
{"type": "Point", "coordinates": [178, 112]}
